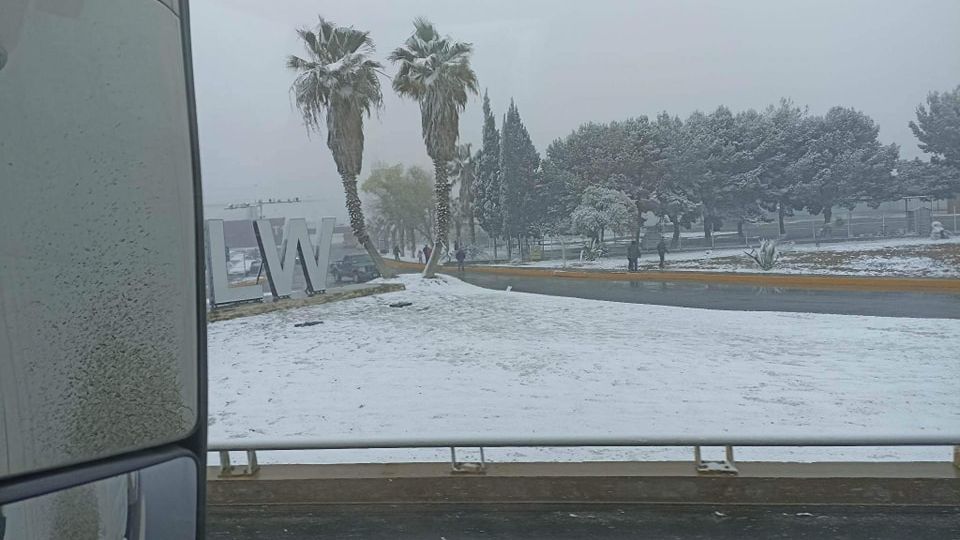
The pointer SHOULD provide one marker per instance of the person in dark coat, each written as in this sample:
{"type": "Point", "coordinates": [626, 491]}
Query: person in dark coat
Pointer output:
{"type": "Point", "coordinates": [633, 255]}
{"type": "Point", "coordinates": [396, 253]}
{"type": "Point", "coordinates": [662, 251]}
{"type": "Point", "coordinates": [426, 254]}
{"type": "Point", "coordinates": [461, 256]}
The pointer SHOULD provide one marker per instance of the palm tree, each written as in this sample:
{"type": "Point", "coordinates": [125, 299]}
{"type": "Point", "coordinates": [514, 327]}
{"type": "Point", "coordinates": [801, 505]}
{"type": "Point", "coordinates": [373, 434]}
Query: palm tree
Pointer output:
{"type": "Point", "coordinates": [339, 83]}
{"type": "Point", "coordinates": [463, 168]}
{"type": "Point", "coordinates": [436, 72]}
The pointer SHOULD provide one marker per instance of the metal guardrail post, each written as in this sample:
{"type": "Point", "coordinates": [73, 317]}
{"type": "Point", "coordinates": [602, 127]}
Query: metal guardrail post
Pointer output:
{"type": "Point", "coordinates": [227, 469]}
{"type": "Point", "coordinates": [727, 466]}
{"type": "Point", "coordinates": [457, 467]}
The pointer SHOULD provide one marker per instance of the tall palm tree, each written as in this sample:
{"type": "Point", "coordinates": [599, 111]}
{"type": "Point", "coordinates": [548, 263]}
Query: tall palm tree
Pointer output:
{"type": "Point", "coordinates": [338, 83]}
{"type": "Point", "coordinates": [436, 72]}
{"type": "Point", "coordinates": [463, 169]}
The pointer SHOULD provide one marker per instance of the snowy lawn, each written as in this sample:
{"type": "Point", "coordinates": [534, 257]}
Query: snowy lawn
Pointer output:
{"type": "Point", "coordinates": [905, 257]}
{"type": "Point", "coordinates": [462, 360]}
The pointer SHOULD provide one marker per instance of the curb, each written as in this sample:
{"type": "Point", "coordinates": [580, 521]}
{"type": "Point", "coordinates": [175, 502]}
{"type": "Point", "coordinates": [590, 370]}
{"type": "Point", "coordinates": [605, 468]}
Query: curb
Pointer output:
{"type": "Point", "coordinates": [822, 282]}
{"type": "Point", "coordinates": [259, 308]}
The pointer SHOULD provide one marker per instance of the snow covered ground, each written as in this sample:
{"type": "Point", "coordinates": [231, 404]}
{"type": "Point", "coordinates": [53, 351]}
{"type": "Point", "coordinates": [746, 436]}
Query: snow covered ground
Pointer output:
{"type": "Point", "coordinates": [462, 360]}
{"type": "Point", "coordinates": [913, 257]}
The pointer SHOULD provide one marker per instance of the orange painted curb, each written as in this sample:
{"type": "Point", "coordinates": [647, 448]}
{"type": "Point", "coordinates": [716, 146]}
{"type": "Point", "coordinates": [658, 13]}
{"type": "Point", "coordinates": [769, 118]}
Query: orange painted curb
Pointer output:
{"type": "Point", "coordinates": [890, 284]}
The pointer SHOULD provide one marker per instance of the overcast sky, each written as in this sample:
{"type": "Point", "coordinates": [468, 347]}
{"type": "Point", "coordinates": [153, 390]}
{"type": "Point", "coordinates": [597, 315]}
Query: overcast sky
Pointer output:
{"type": "Point", "coordinates": [565, 63]}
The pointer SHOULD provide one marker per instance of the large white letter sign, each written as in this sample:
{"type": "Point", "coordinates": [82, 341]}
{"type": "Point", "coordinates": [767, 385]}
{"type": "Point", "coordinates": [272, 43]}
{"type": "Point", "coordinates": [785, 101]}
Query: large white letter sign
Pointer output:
{"type": "Point", "coordinates": [296, 241]}
{"type": "Point", "coordinates": [324, 239]}
{"type": "Point", "coordinates": [220, 290]}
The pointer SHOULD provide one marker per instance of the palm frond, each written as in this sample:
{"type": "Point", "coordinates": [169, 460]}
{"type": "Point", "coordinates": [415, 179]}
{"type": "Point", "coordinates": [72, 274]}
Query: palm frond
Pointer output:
{"type": "Point", "coordinates": [436, 72]}
{"type": "Point", "coordinates": [335, 86]}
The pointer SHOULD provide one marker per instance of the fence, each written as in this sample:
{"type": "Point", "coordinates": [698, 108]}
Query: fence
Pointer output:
{"type": "Point", "coordinates": [804, 230]}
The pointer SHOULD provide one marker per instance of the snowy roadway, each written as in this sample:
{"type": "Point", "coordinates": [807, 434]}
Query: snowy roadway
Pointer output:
{"type": "Point", "coordinates": [462, 360]}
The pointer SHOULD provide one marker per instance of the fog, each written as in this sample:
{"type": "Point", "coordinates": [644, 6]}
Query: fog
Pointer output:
{"type": "Point", "coordinates": [564, 63]}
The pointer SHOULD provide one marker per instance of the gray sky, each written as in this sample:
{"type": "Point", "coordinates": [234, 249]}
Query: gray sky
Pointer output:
{"type": "Point", "coordinates": [564, 63]}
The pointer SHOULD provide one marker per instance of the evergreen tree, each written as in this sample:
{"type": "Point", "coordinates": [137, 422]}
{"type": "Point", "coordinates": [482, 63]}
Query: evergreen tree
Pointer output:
{"type": "Point", "coordinates": [557, 193]}
{"type": "Point", "coordinates": [938, 127]}
{"type": "Point", "coordinates": [618, 155]}
{"type": "Point", "coordinates": [487, 203]}
{"type": "Point", "coordinates": [917, 178]}
{"type": "Point", "coordinates": [519, 165]}
{"type": "Point", "coordinates": [602, 209]}
{"type": "Point", "coordinates": [785, 139]}
{"type": "Point", "coordinates": [742, 193]}
{"type": "Point", "coordinates": [673, 190]}
{"type": "Point", "coordinates": [844, 163]}
{"type": "Point", "coordinates": [938, 130]}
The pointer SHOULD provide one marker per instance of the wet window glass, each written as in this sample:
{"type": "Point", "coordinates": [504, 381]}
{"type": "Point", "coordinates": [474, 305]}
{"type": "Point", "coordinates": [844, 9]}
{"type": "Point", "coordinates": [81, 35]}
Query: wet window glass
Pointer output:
{"type": "Point", "coordinates": [98, 346]}
{"type": "Point", "coordinates": [581, 221]}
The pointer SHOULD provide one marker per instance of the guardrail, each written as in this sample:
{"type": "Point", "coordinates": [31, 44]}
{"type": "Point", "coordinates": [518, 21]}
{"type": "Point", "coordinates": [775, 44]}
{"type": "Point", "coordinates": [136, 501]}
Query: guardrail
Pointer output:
{"type": "Point", "coordinates": [727, 466]}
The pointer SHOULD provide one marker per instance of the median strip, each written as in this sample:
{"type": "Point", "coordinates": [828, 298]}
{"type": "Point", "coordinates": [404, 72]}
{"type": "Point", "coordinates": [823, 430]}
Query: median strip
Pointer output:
{"type": "Point", "coordinates": [823, 282]}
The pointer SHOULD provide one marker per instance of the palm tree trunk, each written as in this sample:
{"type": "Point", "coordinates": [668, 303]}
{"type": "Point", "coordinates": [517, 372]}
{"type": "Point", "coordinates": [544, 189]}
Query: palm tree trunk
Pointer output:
{"type": "Point", "coordinates": [359, 227]}
{"type": "Point", "coordinates": [442, 191]}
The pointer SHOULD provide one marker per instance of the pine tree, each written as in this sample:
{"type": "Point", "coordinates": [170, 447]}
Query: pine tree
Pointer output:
{"type": "Point", "coordinates": [938, 127]}
{"type": "Point", "coordinates": [519, 165]}
{"type": "Point", "coordinates": [844, 163]}
{"type": "Point", "coordinates": [487, 204]}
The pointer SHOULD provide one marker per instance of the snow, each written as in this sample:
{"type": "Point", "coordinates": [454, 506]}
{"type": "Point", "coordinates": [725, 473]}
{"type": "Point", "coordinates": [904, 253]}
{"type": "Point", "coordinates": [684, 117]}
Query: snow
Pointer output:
{"type": "Point", "coordinates": [464, 361]}
{"type": "Point", "coordinates": [865, 259]}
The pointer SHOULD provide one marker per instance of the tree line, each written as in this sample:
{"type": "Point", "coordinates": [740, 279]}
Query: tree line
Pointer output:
{"type": "Point", "coordinates": [717, 168]}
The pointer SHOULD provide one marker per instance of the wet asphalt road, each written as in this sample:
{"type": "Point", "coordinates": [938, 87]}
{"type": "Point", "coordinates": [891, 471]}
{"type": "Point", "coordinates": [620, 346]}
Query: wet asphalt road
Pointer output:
{"type": "Point", "coordinates": [732, 297]}
{"type": "Point", "coordinates": [581, 521]}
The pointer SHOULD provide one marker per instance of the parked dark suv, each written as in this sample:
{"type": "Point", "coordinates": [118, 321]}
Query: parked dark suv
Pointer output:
{"type": "Point", "coordinates": [358, 268]}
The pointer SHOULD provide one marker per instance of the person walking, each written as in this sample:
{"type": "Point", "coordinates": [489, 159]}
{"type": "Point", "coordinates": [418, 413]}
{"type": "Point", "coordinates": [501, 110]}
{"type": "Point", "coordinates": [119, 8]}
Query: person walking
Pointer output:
{"type": "Point", "coordinates": [420, 256]}
{"type": "Point", "coordinates": [426, 254]}
{"type": "Point", "coordinates": [396, 252]}
{"type": "Point", "coordinates": [633, 255]}
{"type": "Point", "coordinates": [662, 251]}
{"type": "Point", "coordinates": [461, 256]}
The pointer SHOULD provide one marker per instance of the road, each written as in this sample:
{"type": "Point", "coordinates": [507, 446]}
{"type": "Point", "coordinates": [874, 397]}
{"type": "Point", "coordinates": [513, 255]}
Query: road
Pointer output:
{"type": "Point", "coordinates": [732, 297]}
{"type": "Point", "coordinates": [577, 521]}
{"type": "Point", "coordinates": [715, 296]}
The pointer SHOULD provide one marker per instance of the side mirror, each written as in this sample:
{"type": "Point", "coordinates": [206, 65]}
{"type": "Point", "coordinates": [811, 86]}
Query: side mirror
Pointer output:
{"type": "Point", "coordinates": [102, 346]}
{"type": "Point", "coordinates": [155, 502]}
